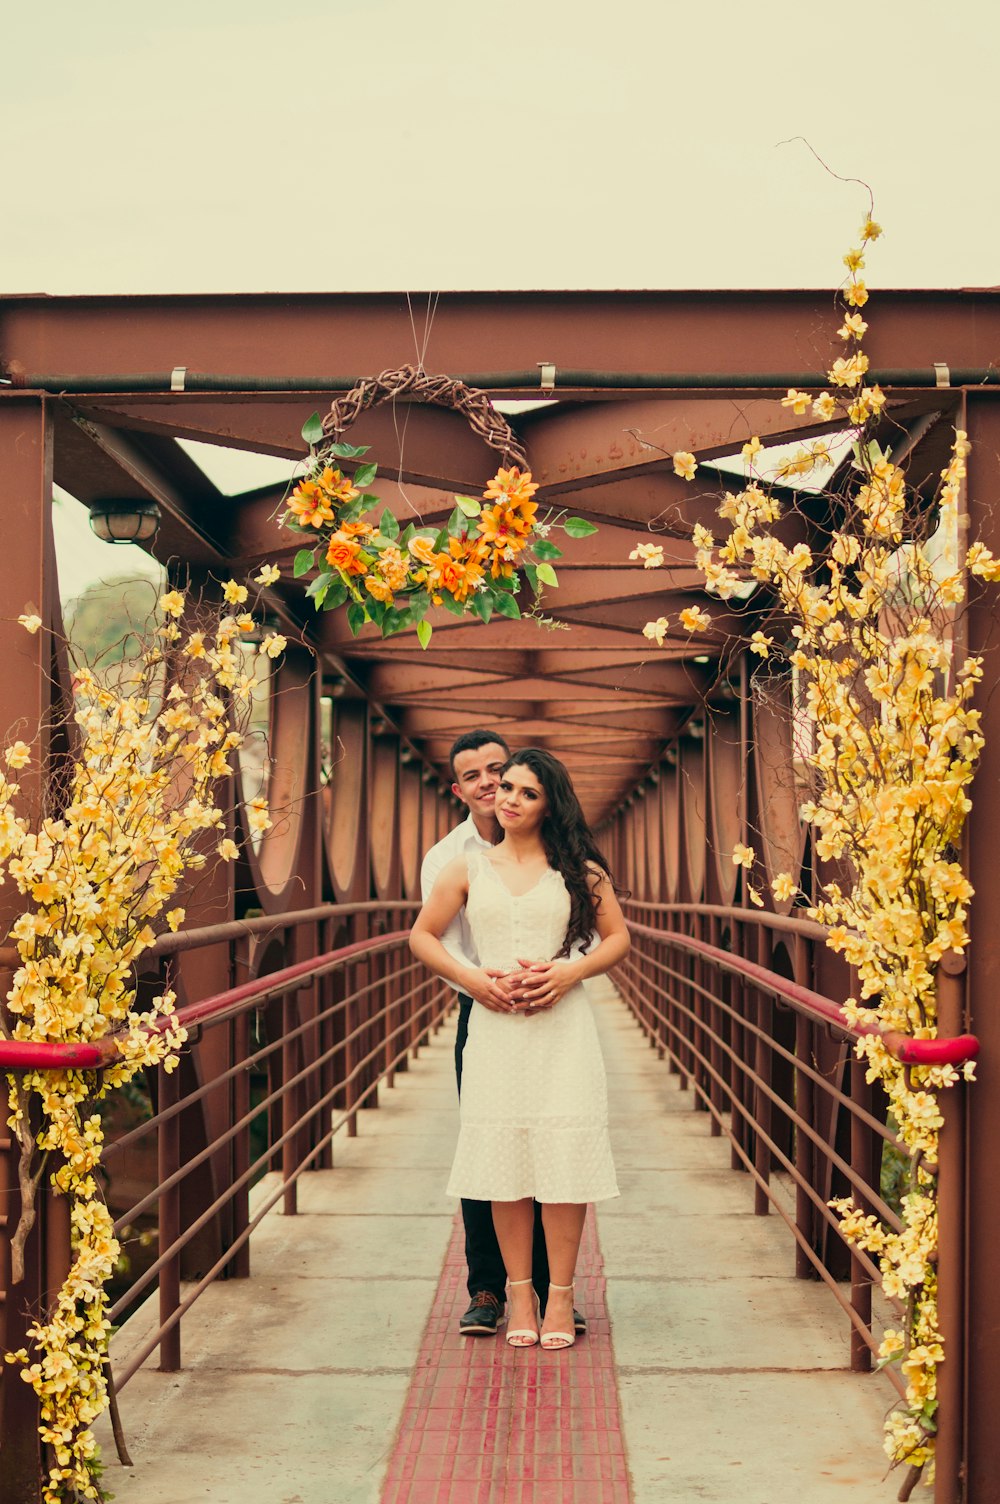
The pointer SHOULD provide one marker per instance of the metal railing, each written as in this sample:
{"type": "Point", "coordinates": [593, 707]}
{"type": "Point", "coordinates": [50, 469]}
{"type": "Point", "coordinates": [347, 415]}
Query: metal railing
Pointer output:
{"type": "Point", "coordinates": [273, 1069]}
{"type": "Point", "coordinates": [772, 1061]}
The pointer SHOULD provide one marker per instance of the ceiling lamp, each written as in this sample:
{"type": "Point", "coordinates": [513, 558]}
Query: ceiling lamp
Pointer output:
{"type": "Point", "coordinates": [131, 521]}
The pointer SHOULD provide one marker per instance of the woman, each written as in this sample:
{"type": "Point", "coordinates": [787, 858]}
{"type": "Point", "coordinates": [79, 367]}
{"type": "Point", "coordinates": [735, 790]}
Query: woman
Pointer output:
{"type": "Point", "coordinates": [534, 1098]}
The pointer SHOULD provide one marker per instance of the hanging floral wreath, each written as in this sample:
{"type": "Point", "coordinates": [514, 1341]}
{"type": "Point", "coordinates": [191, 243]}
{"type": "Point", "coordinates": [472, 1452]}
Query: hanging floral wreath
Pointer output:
{"type": "Point", "coordinates": [474, 565]}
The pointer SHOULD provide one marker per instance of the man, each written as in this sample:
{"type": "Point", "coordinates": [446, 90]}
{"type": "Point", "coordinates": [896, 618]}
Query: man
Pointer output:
{"type": "Point", "coordinates": [476, 760]}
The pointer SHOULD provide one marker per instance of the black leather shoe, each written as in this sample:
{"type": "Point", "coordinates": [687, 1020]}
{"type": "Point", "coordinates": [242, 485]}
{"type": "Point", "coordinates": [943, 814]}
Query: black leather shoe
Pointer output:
{"type": "Point", "coordinates": [483, 1315]}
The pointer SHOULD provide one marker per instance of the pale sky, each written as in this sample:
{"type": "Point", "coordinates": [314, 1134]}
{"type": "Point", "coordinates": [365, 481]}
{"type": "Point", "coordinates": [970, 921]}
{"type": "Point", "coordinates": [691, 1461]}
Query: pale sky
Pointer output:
{"type": "Point", "coordinates": [321, 145]}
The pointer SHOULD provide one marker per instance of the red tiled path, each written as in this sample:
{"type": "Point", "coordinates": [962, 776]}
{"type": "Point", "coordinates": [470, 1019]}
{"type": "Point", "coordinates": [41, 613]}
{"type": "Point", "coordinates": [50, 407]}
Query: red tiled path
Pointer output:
{"type": "Point", "coordinates": [485, 1423]}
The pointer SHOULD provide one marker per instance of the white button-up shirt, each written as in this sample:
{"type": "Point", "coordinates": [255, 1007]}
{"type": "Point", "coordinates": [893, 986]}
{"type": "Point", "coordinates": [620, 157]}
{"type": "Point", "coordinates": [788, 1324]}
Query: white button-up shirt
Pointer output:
{"type": "Point", "coordinates": [457, 938]}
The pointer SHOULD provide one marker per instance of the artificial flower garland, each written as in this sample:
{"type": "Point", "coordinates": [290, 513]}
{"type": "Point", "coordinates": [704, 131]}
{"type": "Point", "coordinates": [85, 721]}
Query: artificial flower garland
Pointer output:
{"type": "Point", "coordinates": [390, 576]}
{"type": "Point", "coordinates": [136, 812]}
{"type": "Point", "coordinates": [892, 742]}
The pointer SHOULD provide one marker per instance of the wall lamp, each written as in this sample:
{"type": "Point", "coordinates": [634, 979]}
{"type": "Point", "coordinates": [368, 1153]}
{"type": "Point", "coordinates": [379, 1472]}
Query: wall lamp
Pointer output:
{"type": "Point", "coordinates": [118, 521]}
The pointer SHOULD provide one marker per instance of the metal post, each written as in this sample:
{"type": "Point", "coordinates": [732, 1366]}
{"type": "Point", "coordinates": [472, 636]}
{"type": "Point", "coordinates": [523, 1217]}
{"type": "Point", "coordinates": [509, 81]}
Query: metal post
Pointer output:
{"type": "Point", "coordinates": [950, 1468]}
{"type": "Point", "coordinates": [168, 1153]}
{"type": "Point", "coordinates": [289, 1106]}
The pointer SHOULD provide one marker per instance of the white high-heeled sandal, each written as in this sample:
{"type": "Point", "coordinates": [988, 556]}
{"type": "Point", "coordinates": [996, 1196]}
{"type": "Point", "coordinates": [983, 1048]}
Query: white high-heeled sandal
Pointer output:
{"type": "Point", "coordinates": [554, 1341]}
{"type": "Point", "coordinates": [522, 1336]}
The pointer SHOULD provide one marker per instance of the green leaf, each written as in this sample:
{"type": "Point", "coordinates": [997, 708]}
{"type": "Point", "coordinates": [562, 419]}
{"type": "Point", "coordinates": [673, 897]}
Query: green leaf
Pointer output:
{"type": "Point", "coordinates": [543, 549]}
{"type": "Point", "coordinates": [392, 621]}
{"type": "Point", "coordinates": [321, 582]}
{"type": "Point", "coordinates": [469, 505]}
{"type": "Point", "coordinates": [356, 617]}
{"type": "Point", "coordinates": [418, 603]}
{"type": "Point", "coordinates": [312, 430]}
{"type": "Point", "coordinates": [547, 574]}
{"type": "Point", "coordinates": [387, 525]}
{"type": "Point", "coordinates": [376, 611]}
{"type": "Point", "coordinates": [506, 604]}
{"type": "Point", "coordinates": [532, 574]}
{"type": "Point", "coordinates": [349, 451]}
{"type": "Point", "coordinates": [304, 561]}
{"type": "Point", "coordinates": [481, 605]}
{"type": "Point", "coordinates": [424, 631]}
{"type": "Point", "coordinates": [457, 523]}
{"type": "Point", "coordinates": [335, 596]}
{"type": "Point", "coordinates": [451, 604]}
{"type": "Point", "coordinates": [576, 527]}
{"type": "Point", "coordinates": [364, 475]}
{"type": "Point", "coordinates": [409, 531]}
{"type": "Point", "coordinates": [441, 541]}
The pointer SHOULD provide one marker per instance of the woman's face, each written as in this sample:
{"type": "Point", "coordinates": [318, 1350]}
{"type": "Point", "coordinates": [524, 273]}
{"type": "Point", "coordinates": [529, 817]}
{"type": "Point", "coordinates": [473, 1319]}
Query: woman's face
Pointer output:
{"type": "Point", "coordinates": [520, 801]}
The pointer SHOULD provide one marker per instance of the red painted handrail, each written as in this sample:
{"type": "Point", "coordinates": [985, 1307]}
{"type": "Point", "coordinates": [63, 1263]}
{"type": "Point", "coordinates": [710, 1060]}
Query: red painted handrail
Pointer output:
{"type": "Point", "coordinates": [19, 1054]}
{"type": "Point", "coordinates": [910, 1051]}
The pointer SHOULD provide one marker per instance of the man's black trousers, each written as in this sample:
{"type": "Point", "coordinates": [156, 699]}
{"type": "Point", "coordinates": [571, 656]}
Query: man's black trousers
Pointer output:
{"type": "Point", "coordinates": [482, 1251]}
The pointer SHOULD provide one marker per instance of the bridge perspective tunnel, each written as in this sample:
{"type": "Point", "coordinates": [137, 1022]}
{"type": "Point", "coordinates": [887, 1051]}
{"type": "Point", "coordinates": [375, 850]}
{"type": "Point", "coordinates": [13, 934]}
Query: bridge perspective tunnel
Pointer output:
{"type": "Point", "coordinates": [678, 748]}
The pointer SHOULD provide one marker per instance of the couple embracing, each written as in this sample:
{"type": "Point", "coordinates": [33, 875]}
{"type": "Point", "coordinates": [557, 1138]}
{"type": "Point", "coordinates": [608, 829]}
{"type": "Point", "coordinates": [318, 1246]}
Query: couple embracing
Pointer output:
{"type": "Point", "coordinates": [519, 909]}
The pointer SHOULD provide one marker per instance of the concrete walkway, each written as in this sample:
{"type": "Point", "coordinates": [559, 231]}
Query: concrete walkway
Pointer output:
{"type": "Point", "coordinates": [731, 1374]}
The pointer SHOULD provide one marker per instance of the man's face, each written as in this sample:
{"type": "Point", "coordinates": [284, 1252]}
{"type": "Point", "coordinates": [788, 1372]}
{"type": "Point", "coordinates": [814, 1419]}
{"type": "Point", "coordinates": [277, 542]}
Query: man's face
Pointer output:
{"type": "Point", "coordinates": [477, 774]}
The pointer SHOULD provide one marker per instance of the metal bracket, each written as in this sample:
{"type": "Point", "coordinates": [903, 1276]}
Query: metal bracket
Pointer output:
{"type": "Point", "coordinates": [177, 376]}
{"type": "Point", "coordinates": [942, 375]}
{"type": "Point", "coordinates": [547, 372]}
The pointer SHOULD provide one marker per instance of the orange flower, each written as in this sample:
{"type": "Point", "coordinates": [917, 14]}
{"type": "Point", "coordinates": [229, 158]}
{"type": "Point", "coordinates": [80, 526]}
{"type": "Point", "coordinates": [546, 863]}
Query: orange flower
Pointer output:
{"type": "Point", "coordinates": [378, 588]}
{"type": "Point", "coordinates": [392, 566]}
{"type": "Point", "coordinates": [310, 505]}
{"type": "Point", "coordinates": [356, 529]}
{"type": "Point", "coordinates": [423, 549]}
{"type": "Point", "coordinates": [337, 486]}
{"type": "Point", "coordinates": [343, 552]}
{"type": "Point", "coordinates": [512, 488]}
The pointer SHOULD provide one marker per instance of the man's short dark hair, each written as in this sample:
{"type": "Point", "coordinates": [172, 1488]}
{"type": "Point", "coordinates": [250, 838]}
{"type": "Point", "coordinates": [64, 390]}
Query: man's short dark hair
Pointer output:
{"type": "Point", "coordinates": [471, 741]}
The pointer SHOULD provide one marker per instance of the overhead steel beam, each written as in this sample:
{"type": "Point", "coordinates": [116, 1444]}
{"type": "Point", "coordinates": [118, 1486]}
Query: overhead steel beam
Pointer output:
{"type": "Point", "coordinates": [361, 334]}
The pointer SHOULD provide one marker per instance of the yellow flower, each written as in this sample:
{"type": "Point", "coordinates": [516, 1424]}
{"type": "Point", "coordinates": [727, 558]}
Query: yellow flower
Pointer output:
{"type": "Point", "coordinates": [172, 603]}
{"type": "Point", "coordinates": [195, 645]}
{"type": "Point", "coordinates": [685, 464]}
{"type": "Point", "coordinates": [870, 230]}
{"type": "Point", "coordinates": [694, 619]}
{"type": "Point", "coordinates": [651, 554]}
{"type": "Point", "coordinates": [269, 574]}
{"type": "Point", "coordinates": [18, 755]}
{"type": "Point", "coordinates": [754, 897]}
{"type": "Point", "coordinates": [797, 401]}
{"type": "Point", "coordinates": [257, 814]}
{"type": "Point", "coordinates": [233, 593]}
{"type": "Point", "coordinates": [857, 294]}
{"type": "Point", "coordinates": [854, 260]}
{"type": "Point", "coordinates": [174, 918]}
{"type": "Point", "coordinates": [30, 622]}
{"type": "Point", "coordinates": [751, 449]}
{"type": "Point", "coordinates": [825, 406]}
{"type": "Point", "coordinates": [760, 644]}
{"type": "Point", "coordinates": [853, 327]}
{"type": "Point", "coordinates": [743, 856]}
{"type": "Point", "coordinates": [783, 887]}
{"type": "Point", "coordinates": [655, 631]}
{"type": "Point", "coordinates": [228, 850]}
{"type": "Point", "coordinates": [273, 645]}
{"type": "Point", "coordinates": [850, 371]}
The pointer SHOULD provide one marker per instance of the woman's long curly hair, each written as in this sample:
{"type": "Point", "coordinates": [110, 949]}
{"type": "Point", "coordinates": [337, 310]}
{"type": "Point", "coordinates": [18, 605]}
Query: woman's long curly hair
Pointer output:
{"type": "Point", "coordinates": [567, 840]}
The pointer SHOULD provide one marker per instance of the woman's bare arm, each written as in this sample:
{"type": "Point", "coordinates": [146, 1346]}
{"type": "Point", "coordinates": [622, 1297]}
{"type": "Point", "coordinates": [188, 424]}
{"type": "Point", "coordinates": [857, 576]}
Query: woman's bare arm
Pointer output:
{"type": "Point", "coordinates": [446, 898]}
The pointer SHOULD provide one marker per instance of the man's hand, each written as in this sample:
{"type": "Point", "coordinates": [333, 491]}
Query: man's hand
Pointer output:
{"type": "Point", "coordinates": [491, 988]}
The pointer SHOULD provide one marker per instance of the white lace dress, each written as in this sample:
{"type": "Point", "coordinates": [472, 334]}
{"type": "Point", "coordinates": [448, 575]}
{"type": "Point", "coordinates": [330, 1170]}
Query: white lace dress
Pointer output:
{"type": "Point", "coordinates": [534, 1111]}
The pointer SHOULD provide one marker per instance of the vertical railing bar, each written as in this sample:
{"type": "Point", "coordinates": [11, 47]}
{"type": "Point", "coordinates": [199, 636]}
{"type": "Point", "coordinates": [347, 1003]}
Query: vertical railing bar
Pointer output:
{"type": "Point", "coordinates": [168, 1153]}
